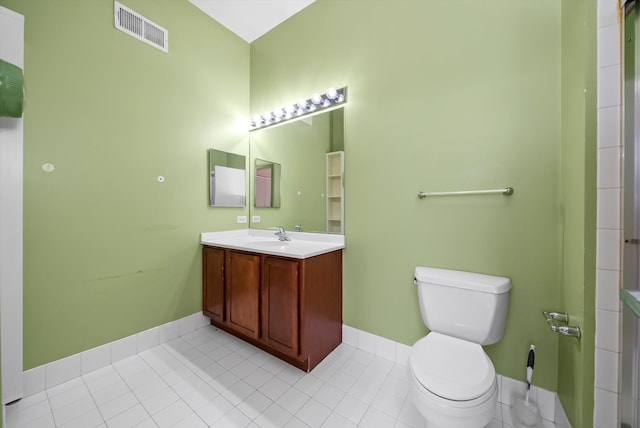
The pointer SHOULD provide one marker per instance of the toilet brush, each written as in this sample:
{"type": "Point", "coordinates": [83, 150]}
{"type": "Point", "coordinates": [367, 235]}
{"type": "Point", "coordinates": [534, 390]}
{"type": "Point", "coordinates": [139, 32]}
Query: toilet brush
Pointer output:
{"type": "Point", "coordinates": [524, 413]}
{"type": "Point", "coordinates": [530, 360]}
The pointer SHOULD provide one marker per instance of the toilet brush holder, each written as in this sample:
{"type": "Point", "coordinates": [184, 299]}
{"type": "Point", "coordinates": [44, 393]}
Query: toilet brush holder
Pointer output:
{"type": "Point", "coordinates": [525, 413]}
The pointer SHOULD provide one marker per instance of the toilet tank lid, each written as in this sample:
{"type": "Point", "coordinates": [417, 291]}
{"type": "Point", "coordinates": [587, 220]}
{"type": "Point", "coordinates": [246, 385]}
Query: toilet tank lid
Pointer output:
{"type": "Point", "coordinates": [461, 279]}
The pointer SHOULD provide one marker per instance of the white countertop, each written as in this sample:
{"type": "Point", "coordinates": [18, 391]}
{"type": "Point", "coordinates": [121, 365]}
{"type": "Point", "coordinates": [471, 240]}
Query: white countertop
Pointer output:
{"type": "Point", "coordinates": [302, 245]}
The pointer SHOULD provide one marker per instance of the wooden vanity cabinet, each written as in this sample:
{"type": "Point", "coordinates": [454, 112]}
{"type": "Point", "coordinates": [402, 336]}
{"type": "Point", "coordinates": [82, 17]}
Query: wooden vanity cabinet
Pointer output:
{"type": "Point", "coordinates": [291, 308]}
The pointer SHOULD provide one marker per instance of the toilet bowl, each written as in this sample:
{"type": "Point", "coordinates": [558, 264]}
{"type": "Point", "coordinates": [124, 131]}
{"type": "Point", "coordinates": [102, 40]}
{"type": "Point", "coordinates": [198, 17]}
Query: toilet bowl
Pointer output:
{"type": "Point", "coordinates": [453, 381]}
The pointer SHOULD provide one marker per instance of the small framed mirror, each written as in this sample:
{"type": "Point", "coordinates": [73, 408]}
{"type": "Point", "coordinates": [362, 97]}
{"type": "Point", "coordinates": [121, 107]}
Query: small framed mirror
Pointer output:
{"type": "Point", "coordinates": [267, 184]}
{"type": "Point", "coordinates": [227, 179]}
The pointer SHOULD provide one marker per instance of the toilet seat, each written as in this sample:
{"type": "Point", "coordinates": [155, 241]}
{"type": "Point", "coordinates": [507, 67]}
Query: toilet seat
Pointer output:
{"type": "Point", "coordinates": [452, 368]}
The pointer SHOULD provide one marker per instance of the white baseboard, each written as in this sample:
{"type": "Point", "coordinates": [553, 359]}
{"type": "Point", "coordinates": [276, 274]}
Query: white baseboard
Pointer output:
{"type": "Point", "coordinates": [48, 375]}
{"type": "Point", "coordinates": [548, 402]}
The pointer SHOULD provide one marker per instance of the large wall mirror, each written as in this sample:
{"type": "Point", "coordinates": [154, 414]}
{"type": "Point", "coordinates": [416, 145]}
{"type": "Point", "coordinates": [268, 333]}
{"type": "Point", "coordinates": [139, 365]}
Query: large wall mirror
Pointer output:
{"type": "Point", "coordinates": [227, 179]}
{"type": "Point", "coordinates": [311, 195]}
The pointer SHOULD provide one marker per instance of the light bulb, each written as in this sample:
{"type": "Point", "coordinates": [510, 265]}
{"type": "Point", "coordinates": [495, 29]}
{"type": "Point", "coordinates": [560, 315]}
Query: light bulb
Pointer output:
{"type": "Point", "coordinates": [316, 99]}
{"type": "Point", "coordinates": [268, 116]}
{"type": "Point", "coordinates": [332, 94]}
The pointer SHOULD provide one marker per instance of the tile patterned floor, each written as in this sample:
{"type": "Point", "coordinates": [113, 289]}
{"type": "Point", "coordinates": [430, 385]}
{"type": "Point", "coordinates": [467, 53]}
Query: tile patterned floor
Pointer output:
{"type": "Point", "coordinates": [209, 378]}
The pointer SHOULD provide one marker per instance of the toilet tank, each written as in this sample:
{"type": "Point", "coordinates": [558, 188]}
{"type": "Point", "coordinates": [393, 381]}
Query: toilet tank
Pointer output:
{"type": "Point", "coordinates": [469, 306]}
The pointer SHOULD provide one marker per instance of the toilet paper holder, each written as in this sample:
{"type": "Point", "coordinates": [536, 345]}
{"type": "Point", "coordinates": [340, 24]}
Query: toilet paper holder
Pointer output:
{"type": "Point", "coordinates": [559, 323]}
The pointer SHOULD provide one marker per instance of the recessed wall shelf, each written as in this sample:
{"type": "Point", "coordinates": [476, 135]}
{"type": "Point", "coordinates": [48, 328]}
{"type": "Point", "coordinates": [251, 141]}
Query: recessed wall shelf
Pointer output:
{"type": "Point", "coordinates": [335, 192]}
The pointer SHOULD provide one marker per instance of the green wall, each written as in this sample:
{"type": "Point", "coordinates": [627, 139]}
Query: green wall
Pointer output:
{"type": "Point", "coordinates": [108, 250]}
{"type": "Point", "coordinates": [578, 189]}
{"type": "Point", "coordinates": [442, 96]}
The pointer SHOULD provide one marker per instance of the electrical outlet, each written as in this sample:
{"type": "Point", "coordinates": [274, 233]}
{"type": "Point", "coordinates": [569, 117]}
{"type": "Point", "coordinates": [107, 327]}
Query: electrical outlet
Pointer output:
{"type": "Point", "coordinates": [255, 219]}
{"type": "Point", "coordinates": [242, 219]}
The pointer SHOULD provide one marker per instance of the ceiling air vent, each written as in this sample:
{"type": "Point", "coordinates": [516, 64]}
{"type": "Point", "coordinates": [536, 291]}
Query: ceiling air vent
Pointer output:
{"type": "Point", "coordinates": [140, 27]}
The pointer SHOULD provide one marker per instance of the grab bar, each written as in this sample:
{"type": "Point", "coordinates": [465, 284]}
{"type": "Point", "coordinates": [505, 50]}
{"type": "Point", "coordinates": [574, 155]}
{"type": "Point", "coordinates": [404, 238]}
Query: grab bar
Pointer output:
{"type": "Point", "coordinates": [507, 191]}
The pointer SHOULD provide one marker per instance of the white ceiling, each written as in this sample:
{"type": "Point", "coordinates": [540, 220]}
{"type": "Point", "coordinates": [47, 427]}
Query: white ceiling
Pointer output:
{"type": "Point", "coordinates": [250, 19]}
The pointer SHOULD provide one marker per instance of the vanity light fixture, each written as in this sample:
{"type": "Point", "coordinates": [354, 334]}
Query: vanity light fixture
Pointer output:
{"type": "Point", "coordinates": [317, 102]}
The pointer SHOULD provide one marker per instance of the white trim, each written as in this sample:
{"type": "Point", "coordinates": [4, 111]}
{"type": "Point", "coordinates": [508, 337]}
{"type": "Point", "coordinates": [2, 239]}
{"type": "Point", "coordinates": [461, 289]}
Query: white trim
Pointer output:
{"type": "Point", "coordinates": [48, 375]}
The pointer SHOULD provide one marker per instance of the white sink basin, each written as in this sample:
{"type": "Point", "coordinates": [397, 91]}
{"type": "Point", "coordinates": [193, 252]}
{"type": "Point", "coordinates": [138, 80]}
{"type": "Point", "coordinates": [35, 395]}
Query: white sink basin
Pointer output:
{"type": "Point", "coordinates": [269, 243]}
{"type": "Point", "coordinates": [301, 246]}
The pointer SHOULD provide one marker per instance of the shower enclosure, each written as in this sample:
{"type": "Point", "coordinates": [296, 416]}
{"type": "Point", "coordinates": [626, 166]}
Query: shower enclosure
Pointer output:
{"type": "Point", "coordinates": [630, 392]}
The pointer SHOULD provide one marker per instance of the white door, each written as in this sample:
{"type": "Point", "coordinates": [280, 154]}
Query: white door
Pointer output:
{"type": "Point", "coordinates": [11, 50]}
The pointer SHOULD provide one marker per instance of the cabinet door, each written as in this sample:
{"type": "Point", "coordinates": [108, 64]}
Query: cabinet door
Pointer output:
{"type": "Point", "coordinates": [213, 283]}
{"type": "Point", "coordinates": [280, 305]}
{"type": "Point", "coordinates": [243, 293]}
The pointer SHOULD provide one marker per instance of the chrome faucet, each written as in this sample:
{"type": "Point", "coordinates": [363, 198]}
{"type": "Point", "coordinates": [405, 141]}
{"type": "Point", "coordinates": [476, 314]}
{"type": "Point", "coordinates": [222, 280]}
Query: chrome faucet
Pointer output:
{"type": "Point", "coordinates": [282, 234]}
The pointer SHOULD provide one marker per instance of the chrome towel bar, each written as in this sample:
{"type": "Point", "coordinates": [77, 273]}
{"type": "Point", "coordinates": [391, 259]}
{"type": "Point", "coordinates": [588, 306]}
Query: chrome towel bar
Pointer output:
{"type": "Point", "coordinates": [507, 191]}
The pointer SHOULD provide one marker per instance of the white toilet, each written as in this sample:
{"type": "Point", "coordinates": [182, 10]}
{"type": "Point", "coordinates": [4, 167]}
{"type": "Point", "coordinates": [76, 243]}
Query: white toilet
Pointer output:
{"type": "Point", "coordinates": [453, 382]}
